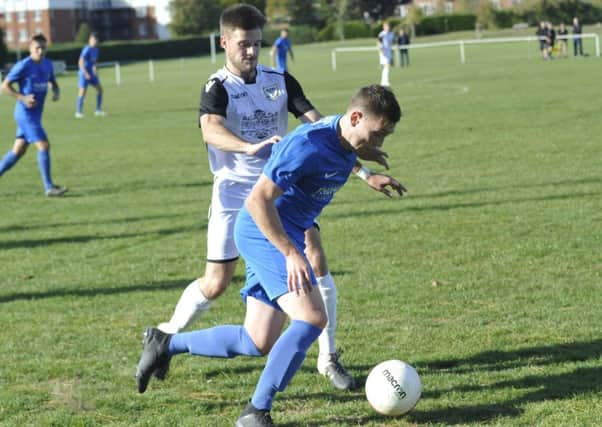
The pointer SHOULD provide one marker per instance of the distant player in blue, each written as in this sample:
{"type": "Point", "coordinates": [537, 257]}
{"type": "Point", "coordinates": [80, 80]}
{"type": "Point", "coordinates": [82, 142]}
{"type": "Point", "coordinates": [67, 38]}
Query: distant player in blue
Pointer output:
{"type": "Point", "coordinates": [33, 74]}
{"type": "Point", "coordinates": [87, 76]}
{"type": "Point", "coordinates": [282, 46]}
{"type": "Point", "coordinates": [305, 170]}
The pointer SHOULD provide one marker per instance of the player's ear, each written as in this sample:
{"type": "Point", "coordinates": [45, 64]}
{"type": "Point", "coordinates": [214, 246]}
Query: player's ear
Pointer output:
{"type": "Point", "coordinates": [222, 41]}
{"type": "Point", "coordinates": [355, 117]}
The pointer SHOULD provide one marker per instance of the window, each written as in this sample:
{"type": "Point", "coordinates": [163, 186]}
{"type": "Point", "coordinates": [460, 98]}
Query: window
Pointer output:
{"type": "Point", "coordinates": [141, 12]}
{"type": "Point", "coordinates": [9, 36]}
{"type": "Point", "coordinates": [39, 31]}
{"type": "Point", "coordinates": [37, 15]}
{"type": "Point", "coordinates": [8, 17]}
{"type": "Point", "coordinates": [21, 16]}
{"type": "Point", "coordinates": [23, 36]}
{"type": "Point", "coordinates": [142, 29]}
{"type": "Point", "coordinates": [449, 7]}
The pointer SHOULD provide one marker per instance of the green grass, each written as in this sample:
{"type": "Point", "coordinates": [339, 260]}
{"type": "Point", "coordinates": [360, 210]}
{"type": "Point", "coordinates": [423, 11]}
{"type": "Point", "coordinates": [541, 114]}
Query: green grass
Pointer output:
{"type": "Point", "coordinates": [502, 159]}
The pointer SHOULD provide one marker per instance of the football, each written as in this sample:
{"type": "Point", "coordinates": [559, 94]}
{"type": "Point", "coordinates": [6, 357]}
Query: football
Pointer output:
{"type": "Point", "coordinates": [393, 387]}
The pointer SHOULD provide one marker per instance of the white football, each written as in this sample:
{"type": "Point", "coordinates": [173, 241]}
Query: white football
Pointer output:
{"type": "Point", "coordinates": [393, 387]}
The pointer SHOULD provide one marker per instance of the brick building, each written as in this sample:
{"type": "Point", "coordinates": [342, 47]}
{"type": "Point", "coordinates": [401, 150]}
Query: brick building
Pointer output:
{"type": "Point", "coordinates": [59, 20]}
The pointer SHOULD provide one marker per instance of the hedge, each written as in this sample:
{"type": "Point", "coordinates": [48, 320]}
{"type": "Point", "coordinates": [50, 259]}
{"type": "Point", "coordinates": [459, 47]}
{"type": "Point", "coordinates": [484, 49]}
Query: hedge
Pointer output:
{"type": "Point", "coordinates": [438, 24]}
{"type": "Point", "coordinates": [124, 51]}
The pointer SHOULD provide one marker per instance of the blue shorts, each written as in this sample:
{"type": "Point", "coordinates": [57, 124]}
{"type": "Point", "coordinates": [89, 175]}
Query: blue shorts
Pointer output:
{"type": "Point", "coordinates": [30, 129]}
{"type": "Point", "coordinates": [265, 265]}
{"type": "Point", "coordinates": [83, 83]}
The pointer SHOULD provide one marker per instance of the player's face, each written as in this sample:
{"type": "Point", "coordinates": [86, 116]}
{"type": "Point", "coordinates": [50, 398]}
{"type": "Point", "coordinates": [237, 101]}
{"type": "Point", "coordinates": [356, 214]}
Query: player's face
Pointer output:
{"type": "Point", "coordinates": [92, 41]}
{"type": "Point", "coordinates": [37, 50]}
{"type": "Point", "coordinates": [242, 50]}
{"type": "Point", "coordinates": [369, 132]}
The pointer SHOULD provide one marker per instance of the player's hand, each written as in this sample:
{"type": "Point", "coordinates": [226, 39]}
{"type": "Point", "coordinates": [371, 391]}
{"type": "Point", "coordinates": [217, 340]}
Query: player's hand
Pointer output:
{"type": "Point", "coordinates": [298, 274]}
{"type": "Point", "coordinates": [28, 100]}
{"type": "Point", "coordinates": [87, 76]}
{"type": "Point", "coordinates": [380, 182]}
{"type": "Point", "coordinates": [263, 149]}
{"type": "Point", "coordinates": [56, 95]}
{"type": "Point", "coordinates": [374, 154]}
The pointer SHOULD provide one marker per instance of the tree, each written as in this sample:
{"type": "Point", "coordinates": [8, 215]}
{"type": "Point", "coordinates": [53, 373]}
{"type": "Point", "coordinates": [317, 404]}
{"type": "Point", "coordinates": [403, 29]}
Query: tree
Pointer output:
{"type": "Point", "coordinates": [302, 12]}
{"type": "Point", "coordinates": [3, 50]}
{"type": "Point", "coordinates": [83, 33]}
{"type": "Point", "coordinates": [194, 17]}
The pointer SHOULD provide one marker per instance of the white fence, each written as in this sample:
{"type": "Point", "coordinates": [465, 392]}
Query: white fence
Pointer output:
{"type": "Point", "coordinates": [461, 44]}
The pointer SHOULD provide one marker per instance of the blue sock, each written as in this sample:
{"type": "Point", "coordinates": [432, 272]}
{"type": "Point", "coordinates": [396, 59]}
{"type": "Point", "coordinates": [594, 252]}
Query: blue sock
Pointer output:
{"type": "Point", "coordinates": [44, 165]}
{"type": "Point", "coordinates": [284, 361]}
{"type": "Point", "coordinates": [221, 341]}
{"type": "Point", "coordinates": [99, 102]}
{"type": "Point", "coordinates": [80, 104]}
{"type": "Point", "coordinates": [8, 161]}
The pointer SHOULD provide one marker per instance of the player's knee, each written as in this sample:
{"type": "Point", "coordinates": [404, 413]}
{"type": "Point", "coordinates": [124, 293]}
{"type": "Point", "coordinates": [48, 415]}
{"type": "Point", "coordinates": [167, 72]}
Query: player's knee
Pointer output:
{"type": "Point", "coordinates": [317, 318]}
{"type": "Point", "coordinates": [213, 286]}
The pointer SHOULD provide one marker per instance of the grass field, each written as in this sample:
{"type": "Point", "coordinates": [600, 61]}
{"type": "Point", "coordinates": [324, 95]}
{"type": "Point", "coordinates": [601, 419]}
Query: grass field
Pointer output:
{"type": "Point", "coordinates": [487, 277]}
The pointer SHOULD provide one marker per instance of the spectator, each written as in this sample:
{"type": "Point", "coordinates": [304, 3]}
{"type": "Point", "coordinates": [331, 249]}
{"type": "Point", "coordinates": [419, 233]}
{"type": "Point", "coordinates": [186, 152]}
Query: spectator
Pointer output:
{"type": "Point", "coordinates": [542, 35]}
{"type": "Point", "coordinates": [551, 39]}
{"type": "Point", "coordinates": [562, 40]}
{"type": "Point", "coordinates": [402, 41]}
{"type": "Point", "coordinates": [577, 42]}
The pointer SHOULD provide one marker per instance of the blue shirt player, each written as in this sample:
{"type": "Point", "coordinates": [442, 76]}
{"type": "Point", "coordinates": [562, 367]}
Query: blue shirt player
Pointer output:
{"type": "Point", "coordinates": [87, 75]}
{"type": "Point", "coordinates": [305, 170]}
{"type": "Point", "coordinates": [281, 47]}
{"type": "Point", "coordinates": [32, 74]}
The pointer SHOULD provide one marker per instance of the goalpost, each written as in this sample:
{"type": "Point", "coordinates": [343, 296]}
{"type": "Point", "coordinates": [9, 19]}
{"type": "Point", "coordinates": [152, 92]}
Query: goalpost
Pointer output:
{"type": "Point", "coordinates": [461, 44]}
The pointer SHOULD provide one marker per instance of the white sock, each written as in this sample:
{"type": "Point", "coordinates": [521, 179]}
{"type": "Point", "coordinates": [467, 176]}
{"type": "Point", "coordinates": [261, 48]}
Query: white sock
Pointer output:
{"type": "Point", "coordinates": [384, 78]}
{"type": "Point", "coordinates": [191, 305]}
{"type": "Point", "coordinates": [328, 290]}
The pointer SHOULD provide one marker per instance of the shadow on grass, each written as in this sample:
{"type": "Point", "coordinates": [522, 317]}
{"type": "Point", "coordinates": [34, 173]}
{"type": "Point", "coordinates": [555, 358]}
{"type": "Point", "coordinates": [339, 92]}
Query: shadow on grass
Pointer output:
{"type": "Point", "coordinates": [88, 222]}
{"type": "Point", "coordinates": [396, 209]}
{"type": "Point", "coordinates": [33, 243]}
{"type": "Point", "coordinates": [91, 292]}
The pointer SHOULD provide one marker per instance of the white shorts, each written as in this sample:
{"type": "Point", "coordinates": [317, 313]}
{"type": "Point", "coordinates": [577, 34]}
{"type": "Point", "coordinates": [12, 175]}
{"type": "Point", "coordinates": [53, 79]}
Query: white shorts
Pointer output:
{"type": "Point", "coordinates": [385, 59]}
{"type": "Point", "coordinates": [227, 200]}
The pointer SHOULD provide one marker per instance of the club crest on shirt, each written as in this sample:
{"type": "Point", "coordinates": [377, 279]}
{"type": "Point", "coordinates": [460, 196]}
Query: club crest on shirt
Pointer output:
{"type": "Point", "coordinates": [272, 92]}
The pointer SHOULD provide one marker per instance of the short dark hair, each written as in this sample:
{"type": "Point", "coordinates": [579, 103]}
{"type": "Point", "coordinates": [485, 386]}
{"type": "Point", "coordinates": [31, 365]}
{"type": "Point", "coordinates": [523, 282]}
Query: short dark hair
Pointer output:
{"type": "Point", "coordinates": [93, 34]}
{"type": "Point", "coordinates": [378, 100]}
{"type": "Point", "coordinates": [243, 16]}
{"type": "Point", "coordinates": [39, 37]}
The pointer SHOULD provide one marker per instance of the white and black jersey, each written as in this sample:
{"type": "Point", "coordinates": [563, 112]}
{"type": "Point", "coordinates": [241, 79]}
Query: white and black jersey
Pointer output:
{"type": "Point", "coordinates": [254, 112]}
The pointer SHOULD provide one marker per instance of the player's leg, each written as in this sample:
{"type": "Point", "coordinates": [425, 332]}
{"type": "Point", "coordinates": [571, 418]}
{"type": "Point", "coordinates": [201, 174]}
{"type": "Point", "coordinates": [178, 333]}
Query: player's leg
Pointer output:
{"type": "Point", "coordinates": [328, 358]}
{"type": "Point", "coordinates": [81, 94]}
{"type": "Point", "coordinates": [198, 295]}
{"type": "Point", "coordinates": [51, 189]}
{"type": "Point", "coordinates": [226, 201]}
{"type": "Point", "coordinates": [99, 111]}
{"type": "Point", "coordinates": [12, 156]}
{"type": "Point", "coordinates": [226, 341]}
{"type": "Point", "coordinates": [308, 318]}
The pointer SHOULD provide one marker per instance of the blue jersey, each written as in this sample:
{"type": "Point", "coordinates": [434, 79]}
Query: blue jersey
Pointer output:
{"type": "Point", "coordinates": [309, 165]}
{"type": "Point", "coordinates": [282, 45]}
{"type": "Point", "coordinates": [33, 78]}
{"type": "Point", "coordinates": [90, 56]}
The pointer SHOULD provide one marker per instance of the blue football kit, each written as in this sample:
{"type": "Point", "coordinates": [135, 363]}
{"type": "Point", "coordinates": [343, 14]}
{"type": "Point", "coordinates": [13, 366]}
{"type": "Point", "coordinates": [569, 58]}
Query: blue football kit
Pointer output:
{"type": "Point", "coordinates": [89, 55]}
{"type": "Point", "coordinates": [309, 165]}
{"type": "Point", "coordinates": [32, 78]}
{"type": "Point", "coordinates": [282, 45]}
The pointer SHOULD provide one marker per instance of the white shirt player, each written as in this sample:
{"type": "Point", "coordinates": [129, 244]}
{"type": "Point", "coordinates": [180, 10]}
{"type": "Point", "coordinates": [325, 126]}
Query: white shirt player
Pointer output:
{"type": "Point", "coordinates": [253, 112]}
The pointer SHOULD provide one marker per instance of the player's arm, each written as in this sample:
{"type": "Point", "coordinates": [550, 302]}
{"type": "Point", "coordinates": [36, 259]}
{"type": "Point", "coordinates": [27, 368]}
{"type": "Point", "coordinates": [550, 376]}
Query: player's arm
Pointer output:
{"type": "Point", "coordinates": [82, 65]}
{"type": "Point", "coordinates": [298, 104]}
{"type": "Point", "coordinates": [261, 206]}
{"type": "Point", "coordinates": [56, 91]}
{"type": "Point", "coordinates": [8, 89]}
{"type": "Point", "coordinates": [212, 121]}
{"type": "Point", "coordinates": [378, 181]}
{"type": "Point", "coordinates": [215, 133]}
{"type": "Point", "coordinates": [290, 51]}
{"type": "Point", "coordinates": [272, 55]}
